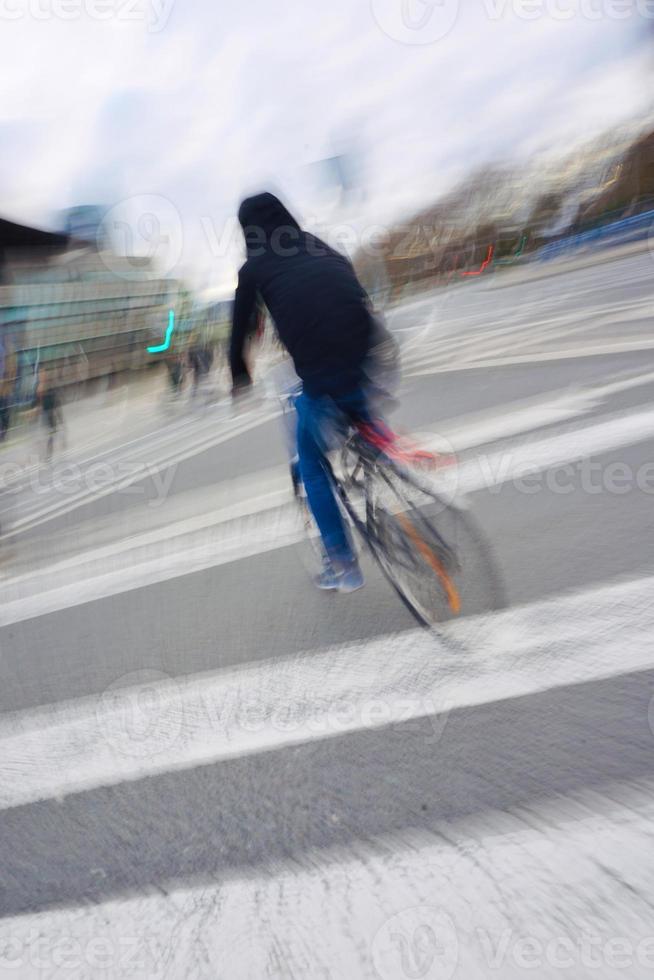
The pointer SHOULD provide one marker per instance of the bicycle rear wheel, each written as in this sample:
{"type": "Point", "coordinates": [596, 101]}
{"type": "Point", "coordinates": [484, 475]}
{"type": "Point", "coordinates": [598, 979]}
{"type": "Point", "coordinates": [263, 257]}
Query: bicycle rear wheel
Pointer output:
{"type": "Point", "coordinates": [432, 552]}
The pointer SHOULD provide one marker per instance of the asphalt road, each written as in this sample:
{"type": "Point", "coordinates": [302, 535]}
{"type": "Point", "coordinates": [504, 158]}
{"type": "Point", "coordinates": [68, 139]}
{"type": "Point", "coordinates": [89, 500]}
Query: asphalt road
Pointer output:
{"type": "Point", "coordinates": [517, 797]}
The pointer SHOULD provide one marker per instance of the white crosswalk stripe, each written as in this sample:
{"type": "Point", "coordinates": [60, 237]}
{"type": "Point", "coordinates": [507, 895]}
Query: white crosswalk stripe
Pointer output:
{"type": "Point", "coordinates": [386, 887]}
{"type": "Point", "coordinates": [99, 741]}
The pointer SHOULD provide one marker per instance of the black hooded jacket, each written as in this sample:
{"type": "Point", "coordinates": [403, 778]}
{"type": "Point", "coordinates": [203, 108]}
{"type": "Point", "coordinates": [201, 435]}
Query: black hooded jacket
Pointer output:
{"type": "Point", "coordinates": [320, 310]}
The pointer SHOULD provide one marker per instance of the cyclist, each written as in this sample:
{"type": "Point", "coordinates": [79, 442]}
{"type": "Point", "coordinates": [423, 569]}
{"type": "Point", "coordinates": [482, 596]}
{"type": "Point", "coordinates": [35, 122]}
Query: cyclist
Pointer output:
{"type": "Point", "coordinates": [322, 315]}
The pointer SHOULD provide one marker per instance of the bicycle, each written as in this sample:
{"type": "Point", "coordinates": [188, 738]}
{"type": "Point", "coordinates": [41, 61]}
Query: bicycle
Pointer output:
{"type": "Point", "coordinates": [431, 551]}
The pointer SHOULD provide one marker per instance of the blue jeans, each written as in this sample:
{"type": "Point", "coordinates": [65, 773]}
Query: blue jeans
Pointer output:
{"type": "Point", "coordinates": [319, 419]}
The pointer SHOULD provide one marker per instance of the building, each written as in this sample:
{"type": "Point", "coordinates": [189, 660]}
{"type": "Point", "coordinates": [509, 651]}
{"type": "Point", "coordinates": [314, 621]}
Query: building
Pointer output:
{"type": "Point", "coordinates": [85, 224]}
{"type": "Point", "coordinates": [69, 300]}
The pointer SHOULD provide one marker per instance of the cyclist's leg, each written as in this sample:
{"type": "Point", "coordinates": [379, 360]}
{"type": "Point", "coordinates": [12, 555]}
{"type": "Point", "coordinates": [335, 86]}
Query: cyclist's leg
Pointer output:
{"type": "Point", "coordinates": [313, 416]}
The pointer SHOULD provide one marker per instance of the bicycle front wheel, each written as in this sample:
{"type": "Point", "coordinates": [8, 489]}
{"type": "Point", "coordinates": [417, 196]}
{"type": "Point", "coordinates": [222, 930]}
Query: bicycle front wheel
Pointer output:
{"type": "Point", "coordinates": [432, 552]}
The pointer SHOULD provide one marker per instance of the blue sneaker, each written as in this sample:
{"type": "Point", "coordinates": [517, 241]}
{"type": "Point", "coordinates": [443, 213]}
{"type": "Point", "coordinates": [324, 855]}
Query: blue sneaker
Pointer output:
{"type": "Point", "coordinates": [327, 580]}
{"type": "Point", "coordinates": [351, 578]}
{"type": "Point", "coordinates": [348, 578]}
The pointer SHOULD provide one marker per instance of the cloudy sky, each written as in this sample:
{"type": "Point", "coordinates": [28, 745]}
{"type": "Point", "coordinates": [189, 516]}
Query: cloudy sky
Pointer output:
{"type": "Point", "coordinates": [176, 108]}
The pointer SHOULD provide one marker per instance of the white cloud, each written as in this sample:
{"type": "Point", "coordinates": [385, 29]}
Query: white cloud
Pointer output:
{"type": "Point", "coordinates": [225, 98]}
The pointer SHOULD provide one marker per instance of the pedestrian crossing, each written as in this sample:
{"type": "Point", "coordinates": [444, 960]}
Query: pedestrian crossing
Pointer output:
{"type": "Point", "coordinates": [35, 495]}
{"type": "Point", "coordinates": [556, 853]}
{"type": "Point", "coordinates": [238, 519]}
{"type": "Point", "coordinates": [462, 327]}
{"type": "Point", "coordinates": [455, 904]}
{"type": "Point", "coordinates": [158, 724]}
{"type": "Point", "coordinates": [562, 338]}
{"type": "Point", "coordinates": [458, 805]}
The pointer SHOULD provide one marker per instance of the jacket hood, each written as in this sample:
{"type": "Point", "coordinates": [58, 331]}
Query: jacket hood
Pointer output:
{"type": "Point", "coordinates": [261, 216]}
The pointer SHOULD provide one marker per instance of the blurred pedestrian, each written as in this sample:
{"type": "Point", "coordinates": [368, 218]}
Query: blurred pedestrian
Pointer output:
{"type": "Point", "coordinates": [5, 415]}
{"type": "Point", "coordinates": [200, 359]}
{"type": "Point", "coordinates": [7, 384]}
{"type": "Point", "coordinates": [208, 357]}
{"type": "Point", "coordinates": [49, 397]}
{"type": "Point", "coordinates": [175, 365]}
{"type": "Point", "coordinates": [112, 377]}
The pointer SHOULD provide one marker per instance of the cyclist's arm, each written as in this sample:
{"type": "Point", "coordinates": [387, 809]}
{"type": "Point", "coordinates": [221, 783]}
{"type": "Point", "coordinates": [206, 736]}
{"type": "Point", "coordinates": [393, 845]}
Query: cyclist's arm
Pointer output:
{"type": "Point", "coordinates": [245, 305]}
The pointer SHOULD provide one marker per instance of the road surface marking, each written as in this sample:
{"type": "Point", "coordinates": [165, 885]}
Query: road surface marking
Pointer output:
{"type": "Point", "coordinates": [156, 726]}
{"type": "Point", "coordinates": [61, 507]}
{"type": "Point", "coordinates": [495, 895]}
{"type": "Point", "coordinates": [489, 425]}
{"type": "Point", "coordinates": [263, 524]}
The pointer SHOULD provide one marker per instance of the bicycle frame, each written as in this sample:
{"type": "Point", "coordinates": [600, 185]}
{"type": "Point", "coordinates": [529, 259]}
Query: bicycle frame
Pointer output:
{"type": "Point", "coordinates": [369, 461]}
